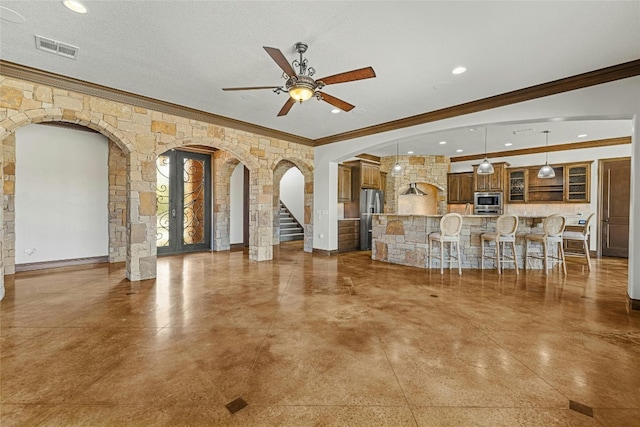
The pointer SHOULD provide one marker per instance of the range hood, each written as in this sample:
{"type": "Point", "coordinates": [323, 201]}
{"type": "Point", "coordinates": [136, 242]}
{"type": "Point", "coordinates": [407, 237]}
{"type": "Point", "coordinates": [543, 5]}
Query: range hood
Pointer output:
{"type": "Point", "coordinates": [414, 191]}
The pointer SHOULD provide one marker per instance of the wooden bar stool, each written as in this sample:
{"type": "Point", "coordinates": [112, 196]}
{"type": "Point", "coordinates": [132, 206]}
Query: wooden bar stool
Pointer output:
{"type": "Point", "coordinates": [450, 226]}
{"type": "Point", "coordinates": [580, 236]}
{"type": "Point", "coordinates": [506, 227]}
{"type": "Point", "coordinates": [553, 227]}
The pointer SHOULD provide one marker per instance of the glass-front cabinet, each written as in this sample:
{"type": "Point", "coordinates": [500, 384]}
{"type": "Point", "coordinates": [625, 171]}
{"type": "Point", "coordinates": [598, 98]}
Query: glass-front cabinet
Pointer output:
{"type": "Point", "coordinates": [576, 183]}
{"type": "Point", "coordinates": [517, 185]}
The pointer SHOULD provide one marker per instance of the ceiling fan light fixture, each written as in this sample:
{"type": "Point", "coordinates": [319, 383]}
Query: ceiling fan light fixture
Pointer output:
{"type": "Point", "coordinates": [300, 93]}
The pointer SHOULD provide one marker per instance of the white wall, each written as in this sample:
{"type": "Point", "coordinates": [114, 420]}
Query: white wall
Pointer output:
{"type": "Point", "coordinates": [62, 189]}
{"type": "Point", "coordinates": [236, 222]}
{"type": "Point", "coordinates": [292, 193]}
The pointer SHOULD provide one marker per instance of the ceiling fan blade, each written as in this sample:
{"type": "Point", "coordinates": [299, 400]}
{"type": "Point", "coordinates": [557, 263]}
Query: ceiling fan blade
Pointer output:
{"type": "Point", "coordinates": [282, 62]}
{"type": "Point", "coordinates": [339, 103]}
{"type": "Point", "coordinates": [250, 88]}
{"type": "Point", "coordinates": [286, 107]}
{"type": "Point", "coordinates": [349, 76]}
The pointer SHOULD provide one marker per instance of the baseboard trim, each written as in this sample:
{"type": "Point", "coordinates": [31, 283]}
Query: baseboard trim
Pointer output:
{"type": "Point", "coordinates": [236, 247]}
{"type": "Point", "coordinates": [60, 263]}
{"type": "Point", "coordinates": [325, 252]}
{"type": "Point", "coordinates": [634, 304]}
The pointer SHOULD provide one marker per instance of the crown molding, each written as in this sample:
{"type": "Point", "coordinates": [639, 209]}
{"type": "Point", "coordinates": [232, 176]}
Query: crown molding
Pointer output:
{"type": "Point", "coordinates": [535, 150]}
{"type": "Point", "coordinates": [580, 81]}
{"type": "Point", "coordinates": [592, 78]}
{"type": "Point", "coordinates": [10, 69]}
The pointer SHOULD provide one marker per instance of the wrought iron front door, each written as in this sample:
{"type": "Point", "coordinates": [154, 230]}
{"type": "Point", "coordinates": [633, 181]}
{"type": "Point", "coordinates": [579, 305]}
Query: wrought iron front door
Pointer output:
{"type": "Point", "coordinates": [184, 202]}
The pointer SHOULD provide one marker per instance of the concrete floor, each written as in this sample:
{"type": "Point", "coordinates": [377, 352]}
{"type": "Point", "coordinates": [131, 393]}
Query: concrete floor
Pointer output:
{"type": "Point", "coordinates": [308, 340]}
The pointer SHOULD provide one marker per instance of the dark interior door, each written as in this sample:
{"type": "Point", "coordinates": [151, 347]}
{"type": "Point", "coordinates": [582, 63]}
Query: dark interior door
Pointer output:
{"type": "Point", "coordinates": [184, 202]}
{"type": "Point", "coordinates": [615, 198]}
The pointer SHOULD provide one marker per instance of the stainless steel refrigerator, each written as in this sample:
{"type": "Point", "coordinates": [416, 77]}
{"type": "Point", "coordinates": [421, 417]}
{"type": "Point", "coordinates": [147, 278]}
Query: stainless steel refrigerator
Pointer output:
{"type": "Point", "coordinates": [371, 202]}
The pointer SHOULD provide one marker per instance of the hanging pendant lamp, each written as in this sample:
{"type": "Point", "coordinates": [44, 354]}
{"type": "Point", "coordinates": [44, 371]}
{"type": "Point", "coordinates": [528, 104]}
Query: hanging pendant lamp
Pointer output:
{"type": "Point", "coordinates": [546, 171]}
{"type": "Point", "coordinates": [397, 168]}
{"type": "Point", "coordinates": [485, 168]}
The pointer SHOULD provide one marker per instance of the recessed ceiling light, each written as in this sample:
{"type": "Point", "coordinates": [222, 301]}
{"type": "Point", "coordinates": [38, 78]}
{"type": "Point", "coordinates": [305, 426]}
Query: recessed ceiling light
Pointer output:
{"type": "Point", "coordinates": [75, 6]}
{"type": "Point", "coordinates": [409, 152]}
{"type": "Point", "coordinates": [459, 150]}
{"type": "Point", "coordinates": [442, 142]}
{"type": "Point", "coordinates": [458, 70]}
{"type": "Point", "coordinates": [582, 135]}
{"type": "Point", "coordinates": [508, 144]}
{"type": "Point", "coordinates": [335, 110]}
{"type": "Point", "coordinates": [472, 129]}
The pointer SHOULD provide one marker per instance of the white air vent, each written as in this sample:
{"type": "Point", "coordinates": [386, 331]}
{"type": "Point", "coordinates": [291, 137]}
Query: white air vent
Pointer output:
{"type": "Point", "coordinates": [53, 46]}
{"type": "Point", "coordinates": [521, 131]}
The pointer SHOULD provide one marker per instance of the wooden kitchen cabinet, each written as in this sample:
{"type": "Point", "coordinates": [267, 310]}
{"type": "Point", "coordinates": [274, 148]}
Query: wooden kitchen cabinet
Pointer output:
{"type": "Point", "coordinates": [460, 187]}
{"type": "Point", "coordinates": [348, 235]}
{"type": "Point", "coordinates": [344, 184]}
{"type": "Point", "coordinates": [493, 182]}
{"type": "Point", "coordinates": [364, 174]}
{"type": "Point", "coordinates": [572, 184]}
{"type": "Point", "coordinates": [370, 175]}
{"type": "Point", "coordinates": [518, 180]}
{"type": "Point", "coordinates": [577, 180]}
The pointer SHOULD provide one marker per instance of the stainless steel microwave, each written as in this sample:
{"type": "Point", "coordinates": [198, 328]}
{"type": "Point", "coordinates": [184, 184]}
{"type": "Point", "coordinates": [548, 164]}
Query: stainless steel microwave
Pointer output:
{"type": "Point", "coordinates": [489, 203]}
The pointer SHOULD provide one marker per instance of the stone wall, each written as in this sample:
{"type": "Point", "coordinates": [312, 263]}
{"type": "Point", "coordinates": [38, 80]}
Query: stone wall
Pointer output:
{"type": "Point", "coordinates": [402, 239]}
{"type": "Point", "coordinates": [142, 134]}
{"type": "Point", "coordinates": [421, 169]}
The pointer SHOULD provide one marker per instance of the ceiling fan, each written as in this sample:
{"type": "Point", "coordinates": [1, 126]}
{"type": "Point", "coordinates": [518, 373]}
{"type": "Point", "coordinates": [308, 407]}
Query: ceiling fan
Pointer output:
{"type": "Point", "coordinates": [301, 86]}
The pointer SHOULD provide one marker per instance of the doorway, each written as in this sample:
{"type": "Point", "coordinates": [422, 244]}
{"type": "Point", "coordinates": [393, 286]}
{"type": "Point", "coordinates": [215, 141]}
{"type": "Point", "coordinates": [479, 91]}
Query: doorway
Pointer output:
{"type": "Point", "coordinates": [615, 178]}
{"type": "Point", "coordinates": [183, 193]}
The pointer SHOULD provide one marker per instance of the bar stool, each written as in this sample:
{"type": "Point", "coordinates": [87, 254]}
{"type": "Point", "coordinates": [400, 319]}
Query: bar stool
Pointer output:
{"type": "Point", "coordinates": [450, 226]}
{"type": "Point", "coordinates": [506, 227]}
{"type": "Point", "coordinates": [580, 236]}
{"type": "Point", "coordinates": [553, 227]}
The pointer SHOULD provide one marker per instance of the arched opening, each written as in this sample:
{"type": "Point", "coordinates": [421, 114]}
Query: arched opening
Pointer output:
{"type": "Point", "coordinates": [117, 190]}
{"type": "Point", "coordinates": [61, 195]}
{"type": "Point", "coordinates": [293, 177]}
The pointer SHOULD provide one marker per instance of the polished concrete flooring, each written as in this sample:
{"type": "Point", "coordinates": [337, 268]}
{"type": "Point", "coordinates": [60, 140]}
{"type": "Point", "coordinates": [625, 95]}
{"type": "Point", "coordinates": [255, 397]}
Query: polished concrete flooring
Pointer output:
{"type": "Point", "coordinates": [308, 340]}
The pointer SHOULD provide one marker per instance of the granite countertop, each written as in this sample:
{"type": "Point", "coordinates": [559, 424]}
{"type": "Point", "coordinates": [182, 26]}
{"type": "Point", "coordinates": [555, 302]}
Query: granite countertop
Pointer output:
{"type": "Point", "coordinates": [348, 219]}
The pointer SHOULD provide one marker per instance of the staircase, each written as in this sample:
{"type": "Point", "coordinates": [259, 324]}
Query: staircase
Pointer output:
{"type": "Point", "coordinates": [290, 229]}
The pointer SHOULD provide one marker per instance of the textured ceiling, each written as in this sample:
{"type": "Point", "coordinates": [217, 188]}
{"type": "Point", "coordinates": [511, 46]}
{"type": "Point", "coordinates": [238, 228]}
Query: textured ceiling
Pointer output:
{"type": "Point", "coordinates": [185, 52]}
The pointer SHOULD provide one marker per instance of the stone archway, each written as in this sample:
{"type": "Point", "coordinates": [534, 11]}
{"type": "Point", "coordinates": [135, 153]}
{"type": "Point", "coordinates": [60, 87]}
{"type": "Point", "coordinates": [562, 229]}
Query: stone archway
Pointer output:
{"type": "Point", "coordinates": [280, 167]}
{"type": "Point", "coordinates": [138, 262]}
{"type": "Point", "coordinates": [225, 159]}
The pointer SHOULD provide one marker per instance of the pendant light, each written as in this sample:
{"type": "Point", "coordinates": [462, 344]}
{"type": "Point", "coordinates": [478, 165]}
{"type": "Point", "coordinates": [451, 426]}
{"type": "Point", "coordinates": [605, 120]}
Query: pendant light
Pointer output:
{"type": "Point", "coordinates": [485, 168]}
{"type": "Point", "coordinates": [546, 171]}
{"type": "Point", "coordinates": [397, 168]}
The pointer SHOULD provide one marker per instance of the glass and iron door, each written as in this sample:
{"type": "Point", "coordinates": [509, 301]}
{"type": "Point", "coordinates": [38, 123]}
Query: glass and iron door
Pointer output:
{"type": "Point", "coordinates": [184, 202]}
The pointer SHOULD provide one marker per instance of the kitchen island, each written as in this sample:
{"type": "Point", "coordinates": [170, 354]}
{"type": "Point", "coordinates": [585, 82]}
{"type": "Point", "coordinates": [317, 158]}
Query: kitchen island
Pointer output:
{"type": "Point", "coordinates": [402, 239]}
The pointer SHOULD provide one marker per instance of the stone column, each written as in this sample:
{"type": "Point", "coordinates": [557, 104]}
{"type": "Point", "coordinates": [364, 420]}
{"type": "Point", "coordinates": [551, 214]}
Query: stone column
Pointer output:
{"type": "Point", "coordinates": [221, 201]}
{"type": "Point", "coordinates": [261, 216]}
{"type": "Point", "coordinates": [8, 203]}
{"type": "Point", "coordinates": [141, 218]}
{"type": "Point", "coordinates": [308, 214]}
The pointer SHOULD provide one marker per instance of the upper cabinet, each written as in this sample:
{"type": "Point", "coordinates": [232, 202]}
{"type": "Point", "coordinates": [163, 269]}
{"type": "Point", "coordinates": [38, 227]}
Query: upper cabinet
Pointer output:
{"type": "Point", "coordinates": [572, 184]}
{"type": "Point", "coordinates": [344, 184]}
{"type": "Point", "coordinates": [517, 179]}
{"type": "Point", "coordinates": [577, 180]}
{"type": "Point", "coordinates": [460, 187]}
{"type": "Point", "coordinates": [364, 174]}
{"type": "Point", "coordinates": [370, 175]}
{"type": "Point", "coordinates": [492, 182]}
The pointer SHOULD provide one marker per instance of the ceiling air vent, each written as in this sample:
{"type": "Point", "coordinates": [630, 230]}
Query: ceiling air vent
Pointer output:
{"type": "Point", "coordinates": [53, 46]}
